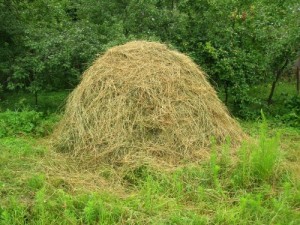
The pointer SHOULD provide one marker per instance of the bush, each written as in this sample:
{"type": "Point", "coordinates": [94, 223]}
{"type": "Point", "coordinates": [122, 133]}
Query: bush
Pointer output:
{"type": "Point", "coordinates": [293, 103]}
{"type": "Point", "coordinates": [14, 123]}
{"type": "Point", "coordinates": [292, 118]}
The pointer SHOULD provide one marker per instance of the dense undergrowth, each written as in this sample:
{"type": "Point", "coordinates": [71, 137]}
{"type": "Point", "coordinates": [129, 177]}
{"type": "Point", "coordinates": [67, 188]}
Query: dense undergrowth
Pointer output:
{"type": "Point", "coordinates": [257, 185]}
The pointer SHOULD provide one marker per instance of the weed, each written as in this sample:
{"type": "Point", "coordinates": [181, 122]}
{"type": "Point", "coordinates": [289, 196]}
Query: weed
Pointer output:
{"type": "Point", "coordinates": [36, 182]}
{"type": "Point", "coordinates": [258, 163]}
{"type": "Point", "coordinates": [14, 123]}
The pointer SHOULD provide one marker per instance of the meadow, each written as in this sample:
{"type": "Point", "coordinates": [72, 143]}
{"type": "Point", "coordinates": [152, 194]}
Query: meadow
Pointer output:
{"type": "Point", "coordinates": [257, 184]}
{"type": "Point", "coordinates": [249, 51]}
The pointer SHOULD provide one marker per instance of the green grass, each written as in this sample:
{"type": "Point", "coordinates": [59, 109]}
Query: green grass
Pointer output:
{"type": "Point", "coordinates": [13, 123]}
{"type": "Point", "coordinates": [282, 89]}
{"type": "Point", "coordinates": [284, 105]}
{"type": "Point", "coordinates": [260, 185]}
{"type": "Point", "coordinates": [256, 188]}
{"type": "Point", "coordinates": [48, 102]}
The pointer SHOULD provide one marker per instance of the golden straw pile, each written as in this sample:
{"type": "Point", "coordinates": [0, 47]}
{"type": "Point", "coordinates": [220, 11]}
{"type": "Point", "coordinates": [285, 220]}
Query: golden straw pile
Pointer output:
{"type": "Point", "coordinates": [143, 101]}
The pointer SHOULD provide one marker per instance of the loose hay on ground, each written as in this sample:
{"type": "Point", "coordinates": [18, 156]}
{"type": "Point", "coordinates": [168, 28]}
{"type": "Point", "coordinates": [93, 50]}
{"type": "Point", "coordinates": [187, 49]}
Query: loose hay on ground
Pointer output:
{"type": "Point", "coordinates": [142, 101]}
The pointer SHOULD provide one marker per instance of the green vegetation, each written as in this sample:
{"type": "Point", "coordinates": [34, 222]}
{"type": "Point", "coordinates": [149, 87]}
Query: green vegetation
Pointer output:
{"type": "Point", "coordinates": [247, 49]}
{"type": "Point", "coordinates": [240, 44]}
{"type": "Point", "coordinates": [257, 185]}
{"type": "Point", "coordinates": [20, 116]}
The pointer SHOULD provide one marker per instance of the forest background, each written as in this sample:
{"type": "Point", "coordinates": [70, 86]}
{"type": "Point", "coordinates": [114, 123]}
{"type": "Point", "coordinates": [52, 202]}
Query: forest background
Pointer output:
{"type": "Point", "coordinates": [246, 47]}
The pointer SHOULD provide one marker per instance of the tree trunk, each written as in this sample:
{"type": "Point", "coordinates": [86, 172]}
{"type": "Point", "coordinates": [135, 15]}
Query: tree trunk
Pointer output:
{"type": "Point", "coordinates": [173, 4]}
{"type": "Point", "coordinates": [273, 89]}
{"type": "Point", "coordinates": [298, 79]}
{"type": "Point", "coordinates": [278, 74]}
{"type": "Point", "coordinates": [36, 98]}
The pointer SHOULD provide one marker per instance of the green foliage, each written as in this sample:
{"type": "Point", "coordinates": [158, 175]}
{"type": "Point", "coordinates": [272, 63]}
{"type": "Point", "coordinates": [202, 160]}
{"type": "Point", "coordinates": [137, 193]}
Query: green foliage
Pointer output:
{"type": "Point", "coordinates": [49, 102]}
{"type": "Point", "coordinates": [293, 104]}
{"type": "Point", "coordinates": [292, 116]}
{"type": "Point", "coordinates": [242, 48]}
{"type": "Point", "coordinates": [46, 45]}
{"type": "Point", "coordinates": [13, 123]}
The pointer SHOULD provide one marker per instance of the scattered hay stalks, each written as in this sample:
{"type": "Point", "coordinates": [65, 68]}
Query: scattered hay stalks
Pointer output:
{"type": "Point", "coordinates": [142, 101]}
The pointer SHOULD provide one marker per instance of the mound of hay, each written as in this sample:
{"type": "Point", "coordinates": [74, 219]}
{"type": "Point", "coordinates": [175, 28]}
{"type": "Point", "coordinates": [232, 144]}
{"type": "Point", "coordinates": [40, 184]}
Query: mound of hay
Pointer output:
{"type": "Point", "coordinates": [140, 100]}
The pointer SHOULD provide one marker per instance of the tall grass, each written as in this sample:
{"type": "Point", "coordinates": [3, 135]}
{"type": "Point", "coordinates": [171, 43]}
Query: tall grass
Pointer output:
{"type": "Point", "coordinates": [251, 188]}
{"type": "Point", "coordinates": [259, 162]}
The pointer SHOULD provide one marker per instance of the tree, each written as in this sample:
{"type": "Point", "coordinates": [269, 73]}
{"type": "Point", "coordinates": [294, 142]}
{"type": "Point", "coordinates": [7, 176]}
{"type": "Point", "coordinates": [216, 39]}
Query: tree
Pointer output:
{"type": "Point", "coordinates": [11, 30]}
{"type": "Point", "coordinates": [282, 35]}
{"type": "Point", "coordinates": [47, 44]}
{"type": "Point", "coordinates": [242, 43]}
{"type": "Point", "coordinates": [54, 49]}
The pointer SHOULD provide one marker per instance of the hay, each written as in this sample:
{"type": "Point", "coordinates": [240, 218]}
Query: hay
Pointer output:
{"type": "Point", "coordinates": [143, 101]}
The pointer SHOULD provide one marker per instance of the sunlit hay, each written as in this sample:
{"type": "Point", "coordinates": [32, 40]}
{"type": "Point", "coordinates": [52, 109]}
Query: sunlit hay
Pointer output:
{"type": "Point", "coordinates": [142, 101]}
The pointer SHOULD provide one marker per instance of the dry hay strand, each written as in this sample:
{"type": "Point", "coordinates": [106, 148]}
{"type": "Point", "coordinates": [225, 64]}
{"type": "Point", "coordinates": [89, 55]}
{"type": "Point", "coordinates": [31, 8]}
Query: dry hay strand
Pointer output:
{"type": "Point", "coordinates": [64, 172]}
{"type": "Point", "coordinates": [143, 101]}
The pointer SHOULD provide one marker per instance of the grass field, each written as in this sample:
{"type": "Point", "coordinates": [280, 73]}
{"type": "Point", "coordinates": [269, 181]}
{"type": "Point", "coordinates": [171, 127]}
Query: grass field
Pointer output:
{"type": "Point", "coordinates": [259, 184]}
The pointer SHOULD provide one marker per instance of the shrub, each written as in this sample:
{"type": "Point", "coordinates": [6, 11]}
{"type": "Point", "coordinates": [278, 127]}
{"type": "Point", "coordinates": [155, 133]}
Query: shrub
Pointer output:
{"type": "Point", "coordinates": [292, 118]}
{"type": "Point", "coordinates": [14, 123]}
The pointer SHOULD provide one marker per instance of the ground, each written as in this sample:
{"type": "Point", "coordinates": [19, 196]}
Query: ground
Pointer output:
{"type": "Point", "coordinates": [259, 184]}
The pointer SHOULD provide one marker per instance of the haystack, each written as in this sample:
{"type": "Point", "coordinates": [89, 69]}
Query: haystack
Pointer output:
{"type": "Point", "coordinates": [143, 100]}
